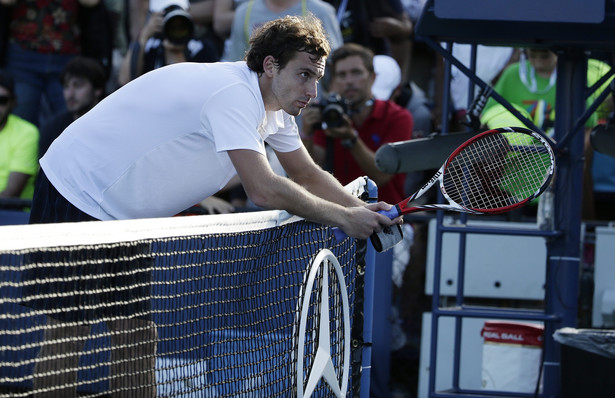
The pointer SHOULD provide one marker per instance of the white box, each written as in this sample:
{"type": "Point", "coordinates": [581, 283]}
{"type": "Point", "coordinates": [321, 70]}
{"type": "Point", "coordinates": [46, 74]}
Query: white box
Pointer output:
{"type": "Point", "coordinates": [496, 266]}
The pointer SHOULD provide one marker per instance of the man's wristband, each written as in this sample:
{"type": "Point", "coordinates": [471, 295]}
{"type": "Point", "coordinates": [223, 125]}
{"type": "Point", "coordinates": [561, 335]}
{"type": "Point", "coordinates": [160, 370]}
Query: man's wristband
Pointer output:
{"type": "Point", "coordinates": [349, 143]}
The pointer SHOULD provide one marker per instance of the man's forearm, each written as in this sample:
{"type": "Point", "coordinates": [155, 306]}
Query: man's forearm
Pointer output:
{"type": "Point", "coordinates": [358, 221]}
{"type": "Point", "coordinates": [302, 170]}
{"type": "Point", "coordinates": [283, 193]}
{"type": "Point", "coordinates": [314, 194]}
{"type": "Point", "coordinates": [271, 191]}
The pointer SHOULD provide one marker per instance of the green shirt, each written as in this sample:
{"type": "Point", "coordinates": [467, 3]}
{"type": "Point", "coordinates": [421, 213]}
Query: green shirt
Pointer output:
{"type": "Point", "coordinates": [534, 96]}
{"type": "Point", "coordinates": [19, 152]}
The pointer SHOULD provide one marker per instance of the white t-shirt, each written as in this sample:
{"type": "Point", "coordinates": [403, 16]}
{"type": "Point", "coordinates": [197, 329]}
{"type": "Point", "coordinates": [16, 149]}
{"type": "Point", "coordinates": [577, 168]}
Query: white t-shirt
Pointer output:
{"type": "Point", "coordinates": [158, 145]}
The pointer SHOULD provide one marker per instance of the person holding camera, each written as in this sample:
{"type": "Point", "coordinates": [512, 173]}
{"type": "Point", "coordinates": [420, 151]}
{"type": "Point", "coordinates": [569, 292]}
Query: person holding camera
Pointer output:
{"type": "Point", "coordinates": [167, 38]}
{"type": "Point", "coordinates": [344, 131]}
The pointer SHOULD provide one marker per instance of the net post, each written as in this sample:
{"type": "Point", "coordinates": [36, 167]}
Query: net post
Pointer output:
{"type": "Point", "coordinates": [368, 303]}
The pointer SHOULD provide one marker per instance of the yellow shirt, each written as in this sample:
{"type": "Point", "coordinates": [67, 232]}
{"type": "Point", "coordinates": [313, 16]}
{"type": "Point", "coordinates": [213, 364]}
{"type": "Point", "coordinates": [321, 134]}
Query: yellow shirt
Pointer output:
{"type": "Point", "coordinates": [19, 152]}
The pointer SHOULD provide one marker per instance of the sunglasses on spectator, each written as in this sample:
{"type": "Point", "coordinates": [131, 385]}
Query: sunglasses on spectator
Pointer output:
{"type": "Point", "coordinates": [4, 99]}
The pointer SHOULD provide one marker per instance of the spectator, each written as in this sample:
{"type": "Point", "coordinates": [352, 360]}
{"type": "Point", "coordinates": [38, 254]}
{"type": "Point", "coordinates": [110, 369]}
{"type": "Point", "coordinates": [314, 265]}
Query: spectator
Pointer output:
{"type": "Point", "coordinates": [162, 44]}
{"type": "Point", "coordinates": [254, 13]}
{"type": "Point", "coordinates": [18, 146]}
{"type": "Point", "coordinates": [382, 26]}
{"type": "Point", "coordinates": [42, 38]}
{"type": "Point", "coordinates": [201, 12]}
{"type": "Point", "coordinates": [367, 124]}
{"type": "Point", "coordinates": [529, 85]}
{"type": "Point", "coordinates": [83, 80]}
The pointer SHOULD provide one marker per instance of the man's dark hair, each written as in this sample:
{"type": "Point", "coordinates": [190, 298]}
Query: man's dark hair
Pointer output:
{"type": "Point", "coordinates": [352, 49]}
{"type": "Point", "coordinates": [87, 68]}
{"type": "Point", "coordinates": [283, 38]}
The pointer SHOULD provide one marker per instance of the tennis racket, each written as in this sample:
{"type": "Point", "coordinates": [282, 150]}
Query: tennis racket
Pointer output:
{"type": "Point", "coordinates": [493, 172]}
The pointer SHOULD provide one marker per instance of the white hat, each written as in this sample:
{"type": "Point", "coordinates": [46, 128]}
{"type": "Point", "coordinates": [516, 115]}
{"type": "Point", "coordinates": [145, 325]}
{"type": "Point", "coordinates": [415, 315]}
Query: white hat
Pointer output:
{"type": "Point", "coordinates": [388, 77]}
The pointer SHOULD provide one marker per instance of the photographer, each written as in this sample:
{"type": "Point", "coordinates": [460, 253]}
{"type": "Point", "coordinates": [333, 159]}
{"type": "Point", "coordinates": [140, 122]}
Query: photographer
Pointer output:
{"type": "Point", "coordinates": [355, 124]}
{"type": "Point", "coordinates": [167, 38]}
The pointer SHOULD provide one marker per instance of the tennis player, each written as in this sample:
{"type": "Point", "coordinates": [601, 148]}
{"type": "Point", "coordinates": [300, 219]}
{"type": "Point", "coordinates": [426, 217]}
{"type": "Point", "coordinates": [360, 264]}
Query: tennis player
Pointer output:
{"type": "Point", "coordinates": [179, 134]}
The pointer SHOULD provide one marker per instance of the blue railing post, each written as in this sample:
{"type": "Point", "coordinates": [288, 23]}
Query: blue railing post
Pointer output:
{"type": "Point", "coordinates": [564, 251]}
{"type": "Point", "coordinates": [368, 307]}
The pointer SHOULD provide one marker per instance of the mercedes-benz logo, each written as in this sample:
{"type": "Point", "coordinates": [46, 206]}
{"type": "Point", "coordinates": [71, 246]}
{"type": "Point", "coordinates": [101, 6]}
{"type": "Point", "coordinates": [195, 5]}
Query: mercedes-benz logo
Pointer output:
{"type": "Point", "coordinates": [323, 365]}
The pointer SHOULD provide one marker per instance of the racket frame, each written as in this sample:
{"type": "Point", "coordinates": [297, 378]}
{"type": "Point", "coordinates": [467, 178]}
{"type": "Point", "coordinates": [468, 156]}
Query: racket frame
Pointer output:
{"type": "Point", "coordinates": [402, 207]}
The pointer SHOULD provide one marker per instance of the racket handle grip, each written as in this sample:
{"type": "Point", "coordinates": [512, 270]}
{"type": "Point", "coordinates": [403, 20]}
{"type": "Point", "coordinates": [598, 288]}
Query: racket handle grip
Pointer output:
{"type": "Point", "coordinates": [383, 240]}
{"type": "Point", "coordinates": [392, 213]}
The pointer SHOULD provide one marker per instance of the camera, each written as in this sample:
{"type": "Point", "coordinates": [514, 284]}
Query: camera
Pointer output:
{"type": "Point", "coordinates": [177, 25]}
{"type": "Point", "coordinates": [334, 107]}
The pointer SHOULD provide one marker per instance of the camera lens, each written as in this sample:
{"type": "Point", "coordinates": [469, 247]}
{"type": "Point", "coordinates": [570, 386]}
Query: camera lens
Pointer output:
{"type": "Point", "coordinates": [333, 111]}
{"type": "Point", "coordinates": [177, 25]}
{"type": "Point", "coordinates": [333, 116]}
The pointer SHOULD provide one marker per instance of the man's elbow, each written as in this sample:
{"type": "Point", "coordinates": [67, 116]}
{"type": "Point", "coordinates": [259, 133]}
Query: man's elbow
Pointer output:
{"type": "Point", "coordinates": [261, 201]}
{"type": "Point", "coordinates": [263, 197]}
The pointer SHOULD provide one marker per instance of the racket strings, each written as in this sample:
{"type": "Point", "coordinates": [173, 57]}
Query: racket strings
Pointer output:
{"type": "Point", "coordinates": [497, 170]}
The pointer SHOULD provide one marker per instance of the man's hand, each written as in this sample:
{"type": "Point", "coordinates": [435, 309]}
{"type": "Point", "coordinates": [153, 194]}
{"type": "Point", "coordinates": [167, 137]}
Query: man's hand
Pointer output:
{"type": "Point", "coordinates": [363, 221]}
{"type": "Point", "coordinates": [343, 132]}
{"type": "Point", "coordinates": [153, 26]}
{"type": "Point", "coordinates": [384, 206]}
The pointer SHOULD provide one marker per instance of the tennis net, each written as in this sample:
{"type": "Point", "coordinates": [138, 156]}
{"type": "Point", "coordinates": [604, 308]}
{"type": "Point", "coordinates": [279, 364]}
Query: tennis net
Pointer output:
{"type": "Point", "coordinates": [203, 306]}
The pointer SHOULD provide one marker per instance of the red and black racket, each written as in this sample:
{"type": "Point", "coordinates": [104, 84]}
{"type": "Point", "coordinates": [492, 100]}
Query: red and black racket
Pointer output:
{"type": "Point", "coordinates": [493, 172]}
